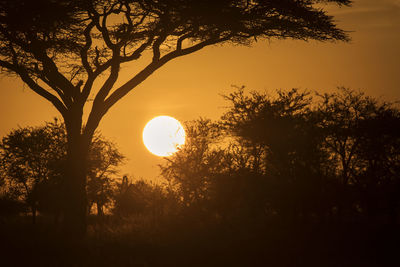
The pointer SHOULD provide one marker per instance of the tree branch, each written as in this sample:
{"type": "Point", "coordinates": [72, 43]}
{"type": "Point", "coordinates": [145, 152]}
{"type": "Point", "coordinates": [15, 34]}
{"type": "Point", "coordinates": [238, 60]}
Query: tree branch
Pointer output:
{"type": "Point", "coordinates": [86, 47]}
{"type": "Point", "coordinates": [137, 53]}
{"type": "Point", "coordinates": [98, 104]}
{"type": "Point", "coordinates": [156, 47]}
{"type": "Point", "coordinates": [67, 102]}
{"type": "Point", "coordinates": [37, 51]}
{"type": "Point", "coordinates": [108, 84]}
{"type": "Point", "coordinates": [153, 66]}
{"type": "Point", "coordinates": [35, 87]}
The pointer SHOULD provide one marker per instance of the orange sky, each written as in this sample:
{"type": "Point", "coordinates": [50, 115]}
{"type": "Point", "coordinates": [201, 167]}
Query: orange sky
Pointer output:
{"type": "Point", "coordinates": [189, 87]}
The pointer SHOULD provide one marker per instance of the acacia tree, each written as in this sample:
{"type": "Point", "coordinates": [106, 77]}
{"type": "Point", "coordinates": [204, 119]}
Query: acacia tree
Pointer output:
{"type": "Point", "coordinates": [191, 170]}
{"type": "Point", "coordinates": [60, 49]}
{"type": "Point", "coordinates": [282, 137]}
{"type": "Point", "coordinates": [362, 139]}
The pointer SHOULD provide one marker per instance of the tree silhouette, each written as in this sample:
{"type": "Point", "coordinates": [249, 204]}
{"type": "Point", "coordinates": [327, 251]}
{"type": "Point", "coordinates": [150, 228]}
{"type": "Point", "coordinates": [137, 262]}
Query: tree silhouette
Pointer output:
{"type": "Point", "coordinates": [9, 203]}
{"type": "Point", "coordinates": [33, 159]}
{"type": "Point", "coordinates": [192, 168]}
{"type": "Point", "coordinates": [283, 131]}
{"type": "Point", "coordinates": [294, 157]}
{"type": "Point", "coordinates": [215, 177]}
{"type": "Point", "coordinates": [27, 156]}
{"type": "Point", "coordinates": [104, 160]}
{"type": "Point", "coordinates": [143, 199]}
{"type": "Point", "coordinates": [60, 49]}
{"type": "Point", "coordinates": [361, 136]}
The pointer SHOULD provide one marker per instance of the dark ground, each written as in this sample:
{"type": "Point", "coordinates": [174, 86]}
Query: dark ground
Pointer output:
{"type": "Point", "coordinates": [115, 243]}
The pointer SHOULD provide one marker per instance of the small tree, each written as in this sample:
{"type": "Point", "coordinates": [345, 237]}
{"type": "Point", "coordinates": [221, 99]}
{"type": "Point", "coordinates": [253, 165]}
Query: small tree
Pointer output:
{"type": "Point", "coordinates": [363, 141]}
{"type": "Point", "coordinates": [208, 174]}
{"type": "Point", "coordinates": [104, 160]}
{"type": "Point", "coordinates": [28, 156]}
{"type": "Point", "coordinates": [60, 49]}
{"type": "Point", "coordinates": [33, 159]}
{"type": "Point", "coordinates": [143, 198]}
{"type": "Point", "coordinates": [191, 169]}
{"type": "Point", "coordinates": [281, 133]}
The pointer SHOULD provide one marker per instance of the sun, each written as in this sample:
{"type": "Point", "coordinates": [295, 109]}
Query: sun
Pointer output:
{"type": "Point", "coordinates": [163, 135]}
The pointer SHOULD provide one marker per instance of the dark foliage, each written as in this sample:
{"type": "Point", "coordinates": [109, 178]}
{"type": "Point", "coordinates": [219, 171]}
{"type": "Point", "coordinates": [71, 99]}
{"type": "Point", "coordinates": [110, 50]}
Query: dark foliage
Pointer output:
{"type": "Point", "coordinates": [32, 162]}
{"type": "Point", "coordinates": [140, 198]}
{"type": "Point", "coordinates": [293, 179]}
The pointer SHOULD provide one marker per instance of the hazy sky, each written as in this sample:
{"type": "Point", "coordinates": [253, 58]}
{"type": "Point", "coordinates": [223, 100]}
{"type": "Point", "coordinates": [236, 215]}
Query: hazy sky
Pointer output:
{"type": "Point", "coordinates": [189, 87]}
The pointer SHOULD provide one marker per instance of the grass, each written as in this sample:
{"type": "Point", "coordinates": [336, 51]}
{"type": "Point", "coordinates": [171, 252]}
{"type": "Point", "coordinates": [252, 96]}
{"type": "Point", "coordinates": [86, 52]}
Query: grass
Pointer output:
{"type": "Point", "coordinates": [138, 242]}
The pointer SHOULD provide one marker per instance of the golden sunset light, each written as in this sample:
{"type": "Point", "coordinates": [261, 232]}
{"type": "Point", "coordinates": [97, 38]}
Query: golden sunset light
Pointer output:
{"type": "Point", "coordinates": [188, 133]}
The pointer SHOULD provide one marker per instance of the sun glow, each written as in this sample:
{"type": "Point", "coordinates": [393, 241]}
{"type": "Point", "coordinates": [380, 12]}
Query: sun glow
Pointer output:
{"type": "Point", "coordinates": [163, 135]}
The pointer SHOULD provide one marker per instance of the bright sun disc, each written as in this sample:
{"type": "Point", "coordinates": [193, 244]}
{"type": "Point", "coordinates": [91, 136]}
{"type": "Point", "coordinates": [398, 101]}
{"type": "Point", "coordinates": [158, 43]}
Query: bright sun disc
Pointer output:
{"type": "Point", "coordinates": [163, 135]}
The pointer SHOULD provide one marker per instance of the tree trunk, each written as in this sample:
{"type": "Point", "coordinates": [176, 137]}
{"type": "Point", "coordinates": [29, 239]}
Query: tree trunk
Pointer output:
{"type": "Point", "coordinates": [100, 212]}
{"type": "Point", "coordinates": [75, 199]}
{"type": "Point", "coordinates": [33, 210]}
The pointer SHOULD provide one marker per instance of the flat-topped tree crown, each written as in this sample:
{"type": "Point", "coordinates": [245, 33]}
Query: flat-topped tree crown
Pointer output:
{"type": "Point", "coordinates": [67, 44]}
{"type": "Point", "coordinates": [59, 48]}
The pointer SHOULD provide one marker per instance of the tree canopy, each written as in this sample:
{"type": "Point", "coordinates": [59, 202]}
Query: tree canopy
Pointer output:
{"type": "Point", "coordinates": [291, 156]}
{"type": "Point", "coordinates": [59, 48]}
